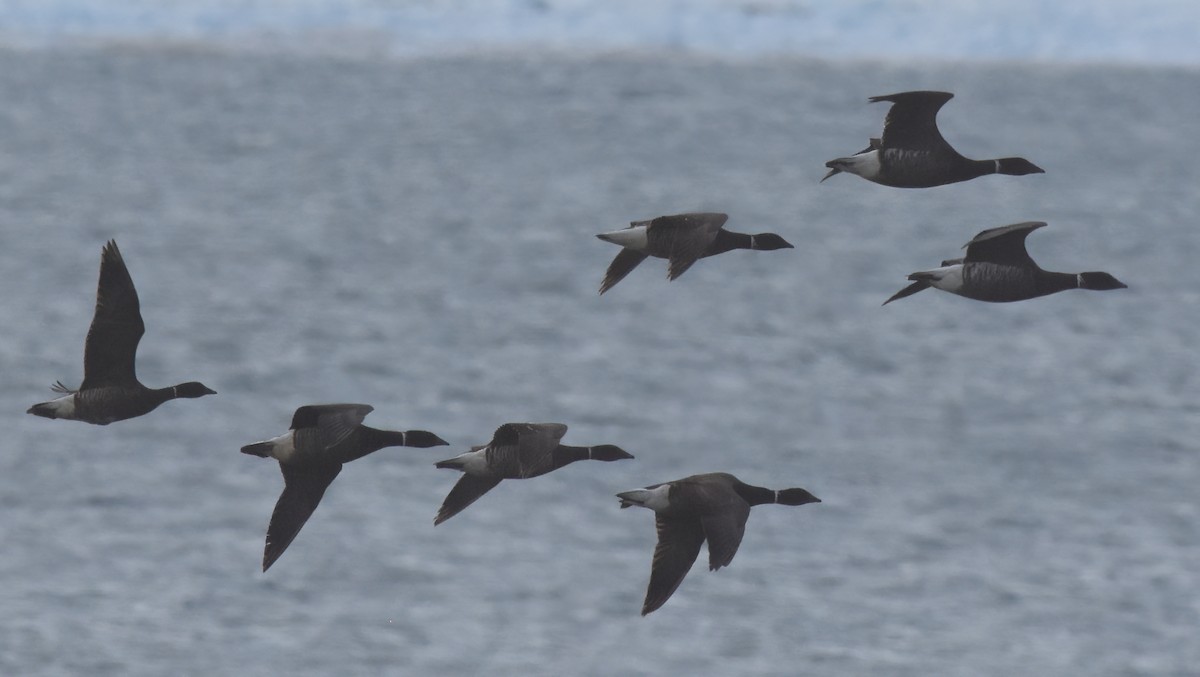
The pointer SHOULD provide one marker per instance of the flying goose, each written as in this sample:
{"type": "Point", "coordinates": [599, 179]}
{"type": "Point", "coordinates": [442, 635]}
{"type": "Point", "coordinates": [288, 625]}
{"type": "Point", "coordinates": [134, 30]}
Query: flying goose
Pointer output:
{"type": "Point", "coordinates": [680, 238]}
{"type": "Point", "coordinates": [517, 451]}
{"type": "Point", "coordinates": [998, 269]}
{"type": "Point", "coordinates": [110, 390]}
{"type": "Point", "coordinates": [912, 152]}
{"type": "Point", "coordinates": [321, 438]}
{"type": "Point", "coordinates": [712, 507]}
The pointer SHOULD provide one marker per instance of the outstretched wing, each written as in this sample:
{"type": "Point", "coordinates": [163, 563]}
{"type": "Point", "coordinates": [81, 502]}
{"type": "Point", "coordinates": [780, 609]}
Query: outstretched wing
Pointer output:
{"type": "Point", "coordinates": [1003, 245]}
{"type": "Point", "coordinates": [724, 530]}
{"type": "Point", "coordinates": [520, 450]}
{"type": "Point", "coordinates": [335, 421]}
{"type": "Point", "coordinates": [911, 122]}
{"type": "Point", "coordinates": [466, 491]}
{"type": "Point", "coordinates": [679, 542]}
{"type": "Point", "coordinates": [683, 238]}
{"type": "Point", "coordinates": [303, 488]}
{"type": "Point", "coordinates": [110, 350]}
{"type": "Point", "coordinates": [625, 261]}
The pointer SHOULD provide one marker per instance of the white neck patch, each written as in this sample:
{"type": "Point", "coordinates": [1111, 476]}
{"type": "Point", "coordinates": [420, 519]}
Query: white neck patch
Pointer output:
{"type": "Point", "coordinates": [752, 243]}
{"type": "Point", "coordinates": [997, 169]}
{"type": "Point", "coordinates": [1078, 280]}
{"type": "Point", "coordinates": [776, 495]}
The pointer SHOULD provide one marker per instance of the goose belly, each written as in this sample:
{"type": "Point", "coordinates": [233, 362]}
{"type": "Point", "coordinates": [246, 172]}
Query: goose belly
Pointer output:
{"type": "Point", "coordinates": [998, 284]}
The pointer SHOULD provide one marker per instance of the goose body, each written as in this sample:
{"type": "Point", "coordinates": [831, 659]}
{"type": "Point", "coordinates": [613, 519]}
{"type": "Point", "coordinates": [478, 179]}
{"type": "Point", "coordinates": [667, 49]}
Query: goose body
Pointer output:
{"type": "Point", "coordinates": [682, 239]}
{"type": "Point", "coordinates": [516, 451]}
{"type": "Point", "coordinates": [110, 390]}
{"type": "Point", "coordinates": [712, 507]}
{"type": "Point", "coordinates": [912, 153]}
{"type": "Point", "coordinates": [998, 269]}
{"type": "Point", "coordinates": [321, 438]}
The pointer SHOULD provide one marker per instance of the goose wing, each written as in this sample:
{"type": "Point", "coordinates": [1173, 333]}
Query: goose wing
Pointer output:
{"type": "Point", "coordinates": [466, 491]}
{"type": "Point", "coordinates": [335, 421]}
{"type": "Point", "coordinates": [1003, 245]}
{"type": "Point", "coordinates": [722, 513]}
{"type": "Point", "coordinates": [724, 529]}
{"type": "Point", "coordinates": [911, 122]}
{"type": "Point", "coordinates": [520, 450]}
{"type": "Point", "coordinates": [683, 238]}
{"type": "Point", "coordinates": [303, 487]}
{"type": "Point", "coordinates": [625, 261]}
{"type": "Point", "coordinates": [679, 541]}
{"type": "Point", "coordinates": [110, 350]}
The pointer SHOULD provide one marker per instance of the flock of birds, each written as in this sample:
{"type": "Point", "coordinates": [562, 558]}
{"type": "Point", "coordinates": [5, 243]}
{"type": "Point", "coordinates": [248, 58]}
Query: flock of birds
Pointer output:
{"type": "Point", "coordinates": [710, 507]}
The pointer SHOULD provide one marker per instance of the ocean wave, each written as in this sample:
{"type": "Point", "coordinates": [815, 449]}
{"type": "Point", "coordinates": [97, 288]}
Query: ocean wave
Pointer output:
{"type": "Point", "coordinates": [1123, 31]}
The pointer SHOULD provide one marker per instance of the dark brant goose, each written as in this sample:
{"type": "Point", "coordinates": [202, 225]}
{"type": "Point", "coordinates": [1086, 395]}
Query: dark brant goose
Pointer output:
{"type": "Point", "coordinates": [517, 451]}
{"type": "Point", "coordinates": [311, 453]}
{"type": "Point", "coordinates": [110, 390]}
{"type": "Point", "coordinates": [682, 239]}
{"type": "Point", "coordinates": [998, 269]}
{"type": "Point", "coordinates": [712, 507]}
{"type": "Point", "coordinates": [912, 152]}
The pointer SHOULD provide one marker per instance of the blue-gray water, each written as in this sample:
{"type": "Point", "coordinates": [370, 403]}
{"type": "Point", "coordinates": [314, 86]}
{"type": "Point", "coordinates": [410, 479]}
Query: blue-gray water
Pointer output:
{"type": "Point", "coordinates": [1008, 489]}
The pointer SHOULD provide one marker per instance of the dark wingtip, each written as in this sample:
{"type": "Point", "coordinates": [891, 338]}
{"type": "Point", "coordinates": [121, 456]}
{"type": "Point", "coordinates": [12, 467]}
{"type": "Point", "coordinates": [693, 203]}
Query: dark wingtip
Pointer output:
{"type": "Point", "coordinates": [918, 285]}
{"type": "Point", "coordinates": [650, 606]}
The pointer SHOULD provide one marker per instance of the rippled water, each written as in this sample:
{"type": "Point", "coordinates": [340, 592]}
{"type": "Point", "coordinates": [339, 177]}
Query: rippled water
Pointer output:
{"type": "Point", "coordinates": [1007, 488]}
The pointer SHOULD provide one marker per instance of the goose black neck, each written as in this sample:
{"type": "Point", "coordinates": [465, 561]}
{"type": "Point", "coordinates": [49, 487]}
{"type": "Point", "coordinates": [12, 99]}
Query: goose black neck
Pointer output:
{"type": "Point", "coordinates": [375, 439]}
{"type": "Point", "coordinates": [564, 455]}
{"type": "Point", "coordinates": [755, 495]}
{"type": "Point", "coordinates": [1050, 283]}
{"type": "Point", "coordinates": [366, 440]}
{"type": "Point", "coordinates": [728, 241]}
{"type": "Point", "coordinates": [977, 168]}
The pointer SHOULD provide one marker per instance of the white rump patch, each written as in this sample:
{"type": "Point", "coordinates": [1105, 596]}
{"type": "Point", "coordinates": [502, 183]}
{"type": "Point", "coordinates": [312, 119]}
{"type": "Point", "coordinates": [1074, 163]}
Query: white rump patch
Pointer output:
{"type": "Point", "coordinates": [654, 499]}
{"type": "Point", "coordinates": [473, 462]}
{"type": "Point", "coordinates": [63, 407]}
{"type": "Point", "coordinates": [630, 238]}
{"type": "Point", "coordinates": [283, 448]}
{"type": "Point", "coordinates": [949, 278]}
{"type": "Point", "coordinates": [865, 164]}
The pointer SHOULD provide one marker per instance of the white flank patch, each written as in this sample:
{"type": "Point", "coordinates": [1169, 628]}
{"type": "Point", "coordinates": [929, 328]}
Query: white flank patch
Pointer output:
{"type": "Point", "coordinates": [630, 238]}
